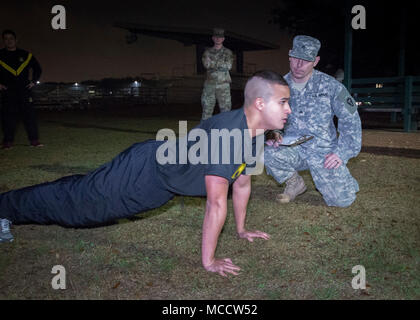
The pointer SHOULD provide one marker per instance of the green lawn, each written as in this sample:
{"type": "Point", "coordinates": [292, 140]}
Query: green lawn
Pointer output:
{"type": "Point", "coordinates": [156, 255]}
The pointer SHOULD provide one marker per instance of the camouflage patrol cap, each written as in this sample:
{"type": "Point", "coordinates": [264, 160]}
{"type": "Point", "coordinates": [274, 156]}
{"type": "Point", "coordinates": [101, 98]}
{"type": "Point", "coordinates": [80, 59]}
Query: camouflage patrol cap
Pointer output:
{"type": "Point", "coordinates": [218, 32]}
{"type": "Point", "coordinates": [305, 48]}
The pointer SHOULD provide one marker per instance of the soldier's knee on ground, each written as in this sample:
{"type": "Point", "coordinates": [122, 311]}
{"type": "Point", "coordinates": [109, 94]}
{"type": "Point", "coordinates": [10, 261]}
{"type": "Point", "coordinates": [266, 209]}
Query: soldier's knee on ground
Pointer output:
{"type": "Point", "coordinates": [340, 202]}
{"type": "Point", "coordinates": [269, 171]}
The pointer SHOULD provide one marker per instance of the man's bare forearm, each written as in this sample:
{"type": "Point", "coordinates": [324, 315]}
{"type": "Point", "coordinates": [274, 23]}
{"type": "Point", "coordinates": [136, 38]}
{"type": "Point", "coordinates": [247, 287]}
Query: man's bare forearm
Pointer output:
{"type": "Point", "coordinates": [216, 209]}
{"type": "Point", "coordinates": [214, 220]}
{"type": "Point", "coordinates": [240, 196]}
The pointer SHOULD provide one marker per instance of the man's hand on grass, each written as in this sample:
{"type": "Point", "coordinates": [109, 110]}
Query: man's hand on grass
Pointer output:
{"type": "Point", "coordinates": [221, 266]}
{"type": "Point", "coordinates": [250, 235]}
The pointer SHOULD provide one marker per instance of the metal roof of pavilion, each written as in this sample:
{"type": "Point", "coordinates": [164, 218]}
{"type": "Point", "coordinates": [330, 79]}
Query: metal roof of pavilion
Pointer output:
{"type": "Point", "coordinates": [195, 36]}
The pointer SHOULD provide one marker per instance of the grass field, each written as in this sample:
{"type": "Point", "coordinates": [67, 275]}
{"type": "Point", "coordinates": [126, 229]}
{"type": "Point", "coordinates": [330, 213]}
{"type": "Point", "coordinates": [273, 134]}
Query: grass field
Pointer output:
{"type": "Point", "coordinates": [156, 255]}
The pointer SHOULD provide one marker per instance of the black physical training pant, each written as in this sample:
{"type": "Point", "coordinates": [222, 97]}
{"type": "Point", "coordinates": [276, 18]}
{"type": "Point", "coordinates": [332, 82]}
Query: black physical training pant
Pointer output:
{"type": "Point", "coordinates": [121, 188]}
{"type": "Point", "coordinates": [15, 105]}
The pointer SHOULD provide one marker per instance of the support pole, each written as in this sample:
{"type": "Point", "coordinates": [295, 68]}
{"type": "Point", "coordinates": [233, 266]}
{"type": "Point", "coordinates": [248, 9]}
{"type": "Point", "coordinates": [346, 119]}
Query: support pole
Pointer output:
{"type": "Point", "coordinates": [348, 47]}
{"type": "Point", "coordinates": [408, 101]}
{"type": "Point", "coordinates": [401, 59]}
{"type": "Point", "coordinates": [403, 27]}
{"type": "Point", "coordinates": [240, 62]}
{"type": "Point", "coordinates": [199, 50]}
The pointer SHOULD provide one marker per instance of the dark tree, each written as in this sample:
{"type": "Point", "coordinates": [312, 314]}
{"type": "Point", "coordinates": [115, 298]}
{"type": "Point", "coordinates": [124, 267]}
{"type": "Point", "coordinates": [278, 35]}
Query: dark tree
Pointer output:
{"type": "Point", "coordinates": [375, 49]}
{"type": "Point", "coordinates": [322, 19]}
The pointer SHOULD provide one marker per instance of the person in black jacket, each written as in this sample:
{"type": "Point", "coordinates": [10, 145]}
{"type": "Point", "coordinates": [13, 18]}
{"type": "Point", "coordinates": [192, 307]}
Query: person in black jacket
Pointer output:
{"type": "Point", "coordinates": [15, 89]}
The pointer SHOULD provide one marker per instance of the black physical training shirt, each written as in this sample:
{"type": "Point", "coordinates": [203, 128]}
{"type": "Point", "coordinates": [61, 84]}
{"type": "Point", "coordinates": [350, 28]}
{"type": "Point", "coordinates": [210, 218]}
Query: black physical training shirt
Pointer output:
{"type": "Point", "coordinates": [14, 68]}
{"type": "Point", "coordinates": [189, 178]}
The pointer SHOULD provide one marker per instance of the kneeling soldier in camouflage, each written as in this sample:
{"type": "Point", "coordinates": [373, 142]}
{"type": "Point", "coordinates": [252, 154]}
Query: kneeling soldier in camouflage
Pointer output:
{"type": "Point", "coordinates": [315, 99]}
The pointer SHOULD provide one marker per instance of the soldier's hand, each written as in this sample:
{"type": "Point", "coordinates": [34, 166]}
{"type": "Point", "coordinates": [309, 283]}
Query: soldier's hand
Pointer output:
{"type": "Point", "coordinates": [274, 139]}
{"type": "Point", "coordinates": [332, 161]}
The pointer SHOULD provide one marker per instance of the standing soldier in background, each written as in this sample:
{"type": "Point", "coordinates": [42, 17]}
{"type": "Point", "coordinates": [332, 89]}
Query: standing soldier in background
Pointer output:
{"type": "Point", "coordinates": [218, 61]}
{"type": "Point", "coordinates": [15, 89]}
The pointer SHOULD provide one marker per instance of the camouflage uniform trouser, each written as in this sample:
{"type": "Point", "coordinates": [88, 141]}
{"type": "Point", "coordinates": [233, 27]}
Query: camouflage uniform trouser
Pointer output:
{"type": "Point", "coordinates": [211, 92]}
{"type": "Point", "coordinates": [337, 186]}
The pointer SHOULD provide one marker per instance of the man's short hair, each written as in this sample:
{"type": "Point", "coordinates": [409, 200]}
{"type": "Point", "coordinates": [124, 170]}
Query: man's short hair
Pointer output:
{"type": "Point", "coordinates": [259, 85]}
{"type": "Point", "coordinates": [8, 31]}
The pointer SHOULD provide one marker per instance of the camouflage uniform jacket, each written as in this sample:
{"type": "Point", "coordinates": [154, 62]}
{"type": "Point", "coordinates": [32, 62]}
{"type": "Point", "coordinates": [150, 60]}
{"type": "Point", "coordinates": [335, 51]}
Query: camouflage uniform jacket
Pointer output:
{"type": "Point", "coordinates": [218, 62]}
{"type": "Point", "coordinates": [313, 110]}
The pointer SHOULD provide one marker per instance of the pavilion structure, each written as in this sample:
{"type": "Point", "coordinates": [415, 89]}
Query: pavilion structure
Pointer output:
{"type": "Point", "coordinates": [200, 38]}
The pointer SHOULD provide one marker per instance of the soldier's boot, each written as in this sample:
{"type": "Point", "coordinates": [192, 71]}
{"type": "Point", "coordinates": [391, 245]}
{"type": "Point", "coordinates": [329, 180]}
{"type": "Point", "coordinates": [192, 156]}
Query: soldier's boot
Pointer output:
{"type": "Point", "coordinates": [294, 187]}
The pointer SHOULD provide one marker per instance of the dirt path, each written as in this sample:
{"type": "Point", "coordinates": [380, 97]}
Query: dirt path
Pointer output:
{"type": "Point", "coordinates": [391, 139]}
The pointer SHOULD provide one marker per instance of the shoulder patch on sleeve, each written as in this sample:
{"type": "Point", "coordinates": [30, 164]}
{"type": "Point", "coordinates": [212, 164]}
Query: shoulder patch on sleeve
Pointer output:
{"type": "Point", "coordinates": [348, 101]}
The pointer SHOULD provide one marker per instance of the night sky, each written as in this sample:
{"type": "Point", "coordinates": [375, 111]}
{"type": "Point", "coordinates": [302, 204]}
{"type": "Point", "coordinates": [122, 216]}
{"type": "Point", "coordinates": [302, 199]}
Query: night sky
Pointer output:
{"type": "Point", "coordinates": [91, 48]}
